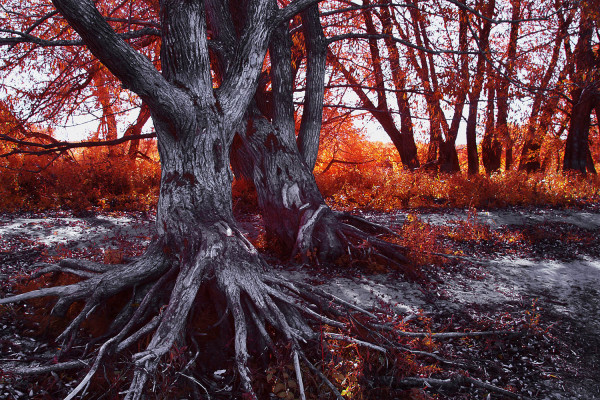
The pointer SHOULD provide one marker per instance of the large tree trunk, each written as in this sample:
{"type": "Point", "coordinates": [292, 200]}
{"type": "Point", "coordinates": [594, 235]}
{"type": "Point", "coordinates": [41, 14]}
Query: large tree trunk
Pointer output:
{"type": "Point", "coordinates": [296, 217]}
{"type": "Point", "coordinates": [288, 195]}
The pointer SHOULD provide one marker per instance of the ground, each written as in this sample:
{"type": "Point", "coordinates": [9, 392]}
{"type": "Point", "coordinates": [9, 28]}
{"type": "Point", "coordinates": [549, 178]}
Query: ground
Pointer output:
{"type": "Point", "coordinates": [534, 270]}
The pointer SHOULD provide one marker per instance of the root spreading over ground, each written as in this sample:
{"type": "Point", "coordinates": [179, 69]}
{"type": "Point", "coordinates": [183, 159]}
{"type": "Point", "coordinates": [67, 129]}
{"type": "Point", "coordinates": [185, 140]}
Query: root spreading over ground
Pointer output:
{"type": "Point", "coordinates": [256, 310]}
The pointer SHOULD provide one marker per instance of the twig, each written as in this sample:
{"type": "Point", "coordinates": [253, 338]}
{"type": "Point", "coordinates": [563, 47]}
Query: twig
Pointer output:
{"type": "Point", "coordinates": [299, 376]}
{"type": "Point", "coordinates": [345, 338]}
{"type": "Point", "coordinates": [327, 382]}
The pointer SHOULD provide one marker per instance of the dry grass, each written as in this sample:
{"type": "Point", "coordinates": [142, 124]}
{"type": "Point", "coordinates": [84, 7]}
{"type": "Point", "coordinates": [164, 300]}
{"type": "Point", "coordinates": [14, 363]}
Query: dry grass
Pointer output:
{"type": "Point", "coordinates": [369, 176]}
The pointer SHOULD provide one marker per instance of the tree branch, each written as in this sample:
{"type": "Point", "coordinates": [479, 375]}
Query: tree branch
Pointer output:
{"type": "Point", "coordinates": [398, 40]}
{"type": "Point", "coordinates": [293, 9]}
{"type": "Point", "coordinates": [312, 115]}
{"type": "Point", "coordinates": [50, 148]}
{"type": "Point", "coordinates": [134, 70]}
{"type": "Point", "coordinates": [25, 37]}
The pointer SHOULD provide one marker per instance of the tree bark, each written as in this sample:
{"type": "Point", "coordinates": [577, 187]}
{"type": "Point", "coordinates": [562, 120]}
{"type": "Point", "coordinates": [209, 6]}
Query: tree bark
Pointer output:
{"type": "Point", "coordinates": [288, 195]}
{"type": "Point", "coordinates": [312, 115]}
{"type": "Point", "coordinates": [585, 96]}
{"type": "Point", "coordinates": [491, 149]}
{"type": "Point", "coordinates": [198, 243]}
{"type": "Point", "coordinates": [472, 154]}
{"type": "Point", "coordinates": [577, 148]}
{"type": "Point", "coordinates": [544, 101]}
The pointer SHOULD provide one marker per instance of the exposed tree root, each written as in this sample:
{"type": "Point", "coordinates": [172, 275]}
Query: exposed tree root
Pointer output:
{"type": "Point", "coordinates": [456, 382]}
{"type": "Point", "coordinates": [260, 309]}
{"type": "Point", "coordinates": [325, 236]}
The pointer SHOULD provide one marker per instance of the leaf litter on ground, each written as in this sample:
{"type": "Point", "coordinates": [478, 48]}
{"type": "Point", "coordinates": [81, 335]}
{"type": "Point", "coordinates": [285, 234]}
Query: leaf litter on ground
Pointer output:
{"type": "Point", "coordinates": [536, 270]}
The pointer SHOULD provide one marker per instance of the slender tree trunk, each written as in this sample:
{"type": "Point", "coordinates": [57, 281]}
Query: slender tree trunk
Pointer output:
{"type": "Point", "coordinates": [108, 120]}
{"type": "Point", "coordinates": [491, 149]}
{"type": "Point", "coordinates": [399, 80]}
{"type": "Point", "coordinates": [405, 144]}
{"type": "Point", "coordinates": [442, 144]}
{"type": "Point", "coordinates": [403, 139]}
{"type": "Point", "coordinates": [316, 55]}
{"type": "Point", "coordinates": [136, 129]}
{"type": "Point", "coordinates": [471, 133]}
{"type": "Point", "coordinates": [448, 156]}
{"type": "Point", "coordinates": [530, 160]}
{"type": "Point", "coordinates": [472, 154]}
{"type": "Point", "coordinates": [504, 85]}
{"type": "Point", "coordinates": [530, 157]}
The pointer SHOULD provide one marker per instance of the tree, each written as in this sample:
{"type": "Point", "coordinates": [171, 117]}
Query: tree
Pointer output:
{"type": "Point", "coordinates": [373, 77]}
{"type": "Point", "coordinates": [216, 93]}
{"type": "Point", "coordinates": [585, 94]}
{"type": "Point", "coordinates": [442, 144]}
{"type": "Point", "coordinates": [504, 84]}
{"type": "Point", "coordinates": [295, 214]}
{"type": "Point", "coordinates": [199, 252]}
{"type": "Point", "coordinates": [546, 99]}
{"type": "Point", "coordinates": [483, 45]}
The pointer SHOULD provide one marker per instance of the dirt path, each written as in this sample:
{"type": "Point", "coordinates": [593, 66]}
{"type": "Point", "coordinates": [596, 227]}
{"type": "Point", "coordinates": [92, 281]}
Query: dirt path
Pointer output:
{"type": "Point", "coordinates": [542, 264]}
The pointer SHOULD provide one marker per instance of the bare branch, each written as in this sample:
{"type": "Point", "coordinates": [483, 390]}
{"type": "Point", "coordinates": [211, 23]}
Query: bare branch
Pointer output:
{"type": "Point", "coordinates": [293, 9]}
{"type": "Point", "coordinates": [398, 40]}
{"type": "Point", "coordinates": [26, 37]}
{"type": "Point", "coordinates": [63, 146]}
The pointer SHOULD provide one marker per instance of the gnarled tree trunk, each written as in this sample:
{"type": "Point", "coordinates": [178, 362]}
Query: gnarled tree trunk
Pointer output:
{"type": "Point", "coordinates": [294, 212]}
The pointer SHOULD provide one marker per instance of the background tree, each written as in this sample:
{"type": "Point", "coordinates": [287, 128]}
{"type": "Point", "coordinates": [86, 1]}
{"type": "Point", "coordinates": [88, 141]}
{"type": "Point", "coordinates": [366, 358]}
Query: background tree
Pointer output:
{"type": "Point", "coordinates": [584, 94]}
{"type": "Point", "coordinates": [546, 96]}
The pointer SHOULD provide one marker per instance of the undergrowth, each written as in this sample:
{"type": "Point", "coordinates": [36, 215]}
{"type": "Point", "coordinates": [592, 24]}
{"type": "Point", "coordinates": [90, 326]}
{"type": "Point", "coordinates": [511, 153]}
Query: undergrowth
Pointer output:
{"type": "Point", "coordinates": [83, 180]}
{"type": "Point", "coordinates": [386, 189]}
{"type": "Point", "coordinates": [352, 174]}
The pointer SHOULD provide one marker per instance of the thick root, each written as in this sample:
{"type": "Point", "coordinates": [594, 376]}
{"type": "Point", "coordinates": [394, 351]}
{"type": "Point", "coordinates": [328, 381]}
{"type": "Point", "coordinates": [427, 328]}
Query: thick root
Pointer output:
{"type": "Point", "coordinates": [325, 236]}
{"type": "Point", "coordinates": [260, 310]}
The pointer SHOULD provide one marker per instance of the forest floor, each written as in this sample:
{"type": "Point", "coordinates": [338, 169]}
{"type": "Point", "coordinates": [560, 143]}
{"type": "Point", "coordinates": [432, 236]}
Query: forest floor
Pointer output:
{"type": "Point", "coordinates": [528, 269]}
